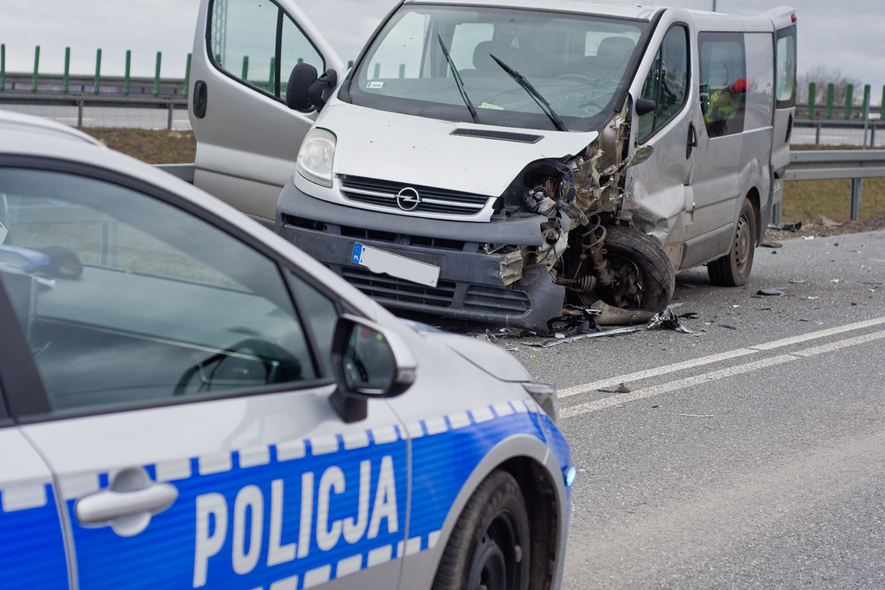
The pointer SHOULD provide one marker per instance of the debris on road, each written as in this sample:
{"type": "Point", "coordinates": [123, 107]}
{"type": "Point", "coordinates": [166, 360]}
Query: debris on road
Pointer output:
{"type": "Point", "coordinates": [620, 389]}
{"type": "Point", "coordinates": [770, 292]}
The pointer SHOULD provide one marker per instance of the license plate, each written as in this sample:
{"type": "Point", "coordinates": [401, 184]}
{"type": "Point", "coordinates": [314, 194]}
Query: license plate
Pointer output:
{"type": "Point", "coordinates": [401, 267]}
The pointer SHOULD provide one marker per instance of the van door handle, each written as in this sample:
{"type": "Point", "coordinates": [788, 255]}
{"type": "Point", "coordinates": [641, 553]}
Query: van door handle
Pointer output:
{"type": "Point", "coordinates": [692, 140]}
{"type": "Point", "coordinates": [127, 505]}
{"type": "Point", "coordinates": [201, 97]}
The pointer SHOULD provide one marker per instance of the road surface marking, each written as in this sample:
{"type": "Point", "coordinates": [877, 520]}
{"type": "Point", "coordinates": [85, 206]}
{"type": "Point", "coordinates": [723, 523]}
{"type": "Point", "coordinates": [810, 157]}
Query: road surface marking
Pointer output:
{"type": "Point", "coordinates": [645, 393]}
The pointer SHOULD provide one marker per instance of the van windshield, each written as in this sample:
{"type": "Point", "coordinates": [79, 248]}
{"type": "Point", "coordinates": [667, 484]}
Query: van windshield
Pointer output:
{"type": "Point", "coordinates": [578, 64]}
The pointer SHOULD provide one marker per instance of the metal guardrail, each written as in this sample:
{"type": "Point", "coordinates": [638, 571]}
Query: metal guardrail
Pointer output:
{"type": "Point", "coordinates": [835, 164]}
{"type": "Point", "coordinates": [80, 92]}
{"type": "Point", "coordinates": [819, 125]}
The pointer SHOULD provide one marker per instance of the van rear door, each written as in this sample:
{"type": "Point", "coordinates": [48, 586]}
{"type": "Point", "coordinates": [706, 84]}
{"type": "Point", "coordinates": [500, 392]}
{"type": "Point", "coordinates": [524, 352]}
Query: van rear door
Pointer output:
{"type": "Point", "coordinates": [784, 20]}
{"type": "Point", "coordinates": [247, 138]}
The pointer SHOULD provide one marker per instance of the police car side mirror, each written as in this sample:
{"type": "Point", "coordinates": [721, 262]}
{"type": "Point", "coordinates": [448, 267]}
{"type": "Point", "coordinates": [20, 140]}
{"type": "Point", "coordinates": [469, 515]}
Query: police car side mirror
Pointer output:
{"type": "Point", "coordinates": [369, 362]}
{"type": "Point", "coordinates": [306, 91]}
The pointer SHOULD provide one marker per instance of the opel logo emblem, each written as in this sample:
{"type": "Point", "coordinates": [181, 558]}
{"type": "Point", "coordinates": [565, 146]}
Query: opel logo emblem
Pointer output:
{"type": "Point", "coordinates": [408, 199]}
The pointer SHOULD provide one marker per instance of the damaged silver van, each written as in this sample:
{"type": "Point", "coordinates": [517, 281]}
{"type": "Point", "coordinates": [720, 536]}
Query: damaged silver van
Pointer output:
{"type": "Point", "coordinates": [498, 159]}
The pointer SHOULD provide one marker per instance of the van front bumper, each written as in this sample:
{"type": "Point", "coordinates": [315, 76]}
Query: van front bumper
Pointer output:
{"type": "Point", "coordinates": [470, 285]}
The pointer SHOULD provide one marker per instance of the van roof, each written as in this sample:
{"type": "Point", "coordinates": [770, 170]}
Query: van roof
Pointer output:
{"type": "Point", "coordinates": [623, 10]}
{"type": "Point", "coordinates": [634, 11]}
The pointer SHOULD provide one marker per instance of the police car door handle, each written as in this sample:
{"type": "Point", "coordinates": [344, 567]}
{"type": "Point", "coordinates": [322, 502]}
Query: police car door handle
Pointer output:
{"type": "Point", "coordinates": [102, 508]}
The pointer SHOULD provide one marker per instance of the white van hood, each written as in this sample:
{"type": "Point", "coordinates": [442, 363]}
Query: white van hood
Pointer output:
{"type": "Point", "coordinates": [423, 151]}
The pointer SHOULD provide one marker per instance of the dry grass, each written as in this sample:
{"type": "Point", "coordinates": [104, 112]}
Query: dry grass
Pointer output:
{"type": "Point", "coordinates": [153, 147]}
{"type": "Point", "coordinates": [804, 201]}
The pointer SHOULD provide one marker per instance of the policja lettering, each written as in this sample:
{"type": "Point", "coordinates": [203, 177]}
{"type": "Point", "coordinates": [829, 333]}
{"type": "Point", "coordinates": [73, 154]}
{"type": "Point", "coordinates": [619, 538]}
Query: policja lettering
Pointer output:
{"type": "Point", "coordinates": [213, 523]}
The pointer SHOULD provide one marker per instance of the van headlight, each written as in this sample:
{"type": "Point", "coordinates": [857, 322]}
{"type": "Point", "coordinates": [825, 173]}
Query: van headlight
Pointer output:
{"type": "Point", "coordinates": [315, 157]}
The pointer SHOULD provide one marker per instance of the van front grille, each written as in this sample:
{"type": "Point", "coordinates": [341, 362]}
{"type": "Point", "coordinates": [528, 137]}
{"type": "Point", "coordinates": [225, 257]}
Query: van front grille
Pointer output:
{"type": "Point", "coordinates": [387, 288]}
{"type": "Point", "coordinates": [383, 193]}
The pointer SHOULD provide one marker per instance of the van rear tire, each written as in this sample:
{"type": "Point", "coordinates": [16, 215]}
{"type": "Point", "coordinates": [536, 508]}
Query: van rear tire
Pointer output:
{"type": "Point", "coordinates": [733, 269]}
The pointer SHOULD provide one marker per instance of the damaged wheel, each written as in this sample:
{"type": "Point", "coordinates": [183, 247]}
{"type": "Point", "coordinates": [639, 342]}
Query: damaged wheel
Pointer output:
{"type": "Point", "coordinates": [642, 276]}
{"type": "Point", "coordinates": [733, 269]}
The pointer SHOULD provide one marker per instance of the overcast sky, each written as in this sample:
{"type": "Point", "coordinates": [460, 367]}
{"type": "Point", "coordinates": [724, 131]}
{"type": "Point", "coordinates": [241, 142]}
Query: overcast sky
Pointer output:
{"type": "Point", "coordinates": [847, 36]}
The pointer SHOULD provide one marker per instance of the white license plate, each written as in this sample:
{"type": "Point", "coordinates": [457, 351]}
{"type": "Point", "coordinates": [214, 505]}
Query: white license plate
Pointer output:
{"type": "Point", "coordinates": [383, 262]}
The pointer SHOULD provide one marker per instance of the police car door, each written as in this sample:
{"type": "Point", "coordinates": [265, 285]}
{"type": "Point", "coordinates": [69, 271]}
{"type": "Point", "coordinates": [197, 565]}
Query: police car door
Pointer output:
{"type": "Point", "coordinates": [180, 397]}
{"type": "Point", "coordinates": [247, 138]}
{"type": "Point", "coordinates": [32, 548]}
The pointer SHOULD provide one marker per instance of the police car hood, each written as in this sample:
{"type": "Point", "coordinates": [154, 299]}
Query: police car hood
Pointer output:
{"type": "Point", "coordinates": [478, 159]}
{"type": "Point", "coordinates": [495, 361]}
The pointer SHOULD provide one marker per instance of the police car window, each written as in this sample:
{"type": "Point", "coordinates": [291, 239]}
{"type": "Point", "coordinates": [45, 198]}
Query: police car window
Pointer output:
{"type": "Point", "coordinates": [126, 299]}
{"type": "Point", "coordinates": [723, 84]}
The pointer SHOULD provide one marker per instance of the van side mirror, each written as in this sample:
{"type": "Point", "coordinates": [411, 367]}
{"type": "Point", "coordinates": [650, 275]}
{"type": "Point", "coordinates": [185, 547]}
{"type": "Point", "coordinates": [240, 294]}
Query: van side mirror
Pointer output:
{"type": "Point", "coordinates": [645, 106]}
{"type": "Point", "coordinates": [368, 362]}
{"type": "Point", "coordinates": [306, 91]}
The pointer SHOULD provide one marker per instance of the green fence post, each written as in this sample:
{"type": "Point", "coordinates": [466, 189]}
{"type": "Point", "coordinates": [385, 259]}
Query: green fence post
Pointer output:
{"type": "Point", "coordinates": [97, 85]}
{"type": "Point", "coordinates": [126, 74]}
{"type": "Point", "coordinates": [187, 75]}
{"type": "Point", "coordinates": [67, 77]}
{"type": "Point", "coordinates": [273, 71]}
{"type": "Point", "coordinates": [402, 71]}
{"type": "Point", "coordinates": [867, 89]}
{"type": "Point", "coordinates": [812, 95]}
{"type": "Point", "coordinates": [377, 71]}
{"type": "Point", "coordinates": [245, 76]}
{"type": "Point", "coordinates": [831, 98]}
{"type": "Point", "coordinates": [3, 69]}
{"type": "Point", "coordinates": [157, 75]}
{"type": "Point", "coordinates": [849, 100]}
{"type": "Point", "coordinates": [36, 69]}
{"type": "Point", "coordinates": [350, 64]}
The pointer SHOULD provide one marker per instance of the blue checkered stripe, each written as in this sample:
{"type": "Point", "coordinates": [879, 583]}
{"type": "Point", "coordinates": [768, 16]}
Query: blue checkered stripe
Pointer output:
{"type": "Point", "coordinates": [32, 553]}
{"type": "Point", "coordinates": [299, 513]}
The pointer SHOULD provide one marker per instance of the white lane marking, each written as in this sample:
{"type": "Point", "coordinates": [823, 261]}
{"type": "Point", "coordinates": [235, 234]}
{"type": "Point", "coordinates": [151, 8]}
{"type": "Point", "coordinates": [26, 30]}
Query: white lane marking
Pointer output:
{"type": "Point", "coordinates": [659, 371]}
{"type": "Point", "coordinates": [617, 400]}
{"type": "Point", "coordinates": [655, 390]}
{"type": "Point", "coordinates": [656, 372]}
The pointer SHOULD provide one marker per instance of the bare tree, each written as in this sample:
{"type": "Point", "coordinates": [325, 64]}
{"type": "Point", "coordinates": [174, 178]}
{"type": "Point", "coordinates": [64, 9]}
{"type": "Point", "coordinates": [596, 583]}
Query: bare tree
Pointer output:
{"type": "Point", "coordinates": [822, 77]}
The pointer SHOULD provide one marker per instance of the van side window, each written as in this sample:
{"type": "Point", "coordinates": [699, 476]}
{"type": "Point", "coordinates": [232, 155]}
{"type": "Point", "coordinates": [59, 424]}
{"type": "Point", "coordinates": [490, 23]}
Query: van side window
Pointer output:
{"type": "Point", "coordinates": [258, 44]}
{"type": "Point", "coordinates": [723, 82]}
{"type": "Point", "coordinates": [666, 83]}
{"type": "Point", "coordinates": [786, 68]}
{"type": "Point", "coordinates": [760, 80]}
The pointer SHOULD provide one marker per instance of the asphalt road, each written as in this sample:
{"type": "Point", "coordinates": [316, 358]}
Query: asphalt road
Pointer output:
{"type": "Point", "coordinates": [748, 453]}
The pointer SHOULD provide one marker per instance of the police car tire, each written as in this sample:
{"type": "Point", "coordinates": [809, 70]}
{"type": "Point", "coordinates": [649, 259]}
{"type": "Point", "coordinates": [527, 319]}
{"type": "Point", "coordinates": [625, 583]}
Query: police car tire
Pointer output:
{"type": "Point", "coordinates": [657, 275]}
{"type": "Point", "coordinates": [733, 269]}
{"type": "Point", "coordinates": [489, 546]}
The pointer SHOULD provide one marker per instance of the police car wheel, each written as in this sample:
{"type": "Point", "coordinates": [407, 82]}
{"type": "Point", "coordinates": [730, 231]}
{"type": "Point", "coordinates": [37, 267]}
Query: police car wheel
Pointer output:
{"type": "Point", "coordinates": [490, 544]}
{"type": "Point", "coordinates": [733, 269]}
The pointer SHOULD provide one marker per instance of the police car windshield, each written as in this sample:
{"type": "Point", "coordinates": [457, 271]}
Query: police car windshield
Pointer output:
{"type": "Point", "coordinates": [578, 63]}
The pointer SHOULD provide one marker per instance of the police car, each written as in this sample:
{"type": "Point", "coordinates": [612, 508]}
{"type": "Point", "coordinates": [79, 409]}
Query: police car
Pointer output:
{"type": "Point", "coordinates": [189, 401]}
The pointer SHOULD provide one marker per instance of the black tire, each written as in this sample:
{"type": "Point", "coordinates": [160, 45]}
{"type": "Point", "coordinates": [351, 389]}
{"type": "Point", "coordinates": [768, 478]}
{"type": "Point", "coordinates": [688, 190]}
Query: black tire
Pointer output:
{"type": "Point", "coordinates": [733, 269]}
{"type": "Point", "coordinates": [645, 277]}
{"type": "Point", "coordinates": [490, 544]}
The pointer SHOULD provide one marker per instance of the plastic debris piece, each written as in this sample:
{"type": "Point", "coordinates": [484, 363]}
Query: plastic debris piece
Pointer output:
{"type": "Point", "coordinates": [620, 389]}
{"type": "Point", "coordinates": [771, 292]}
{"type": "Point", "coordinates": [829, 222]}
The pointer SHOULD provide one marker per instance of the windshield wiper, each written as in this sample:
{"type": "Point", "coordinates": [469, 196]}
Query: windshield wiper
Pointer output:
{"type": "Point", "coordinates": [533, 92]}
{"type": "Point", "coordinates": [458, 80]}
